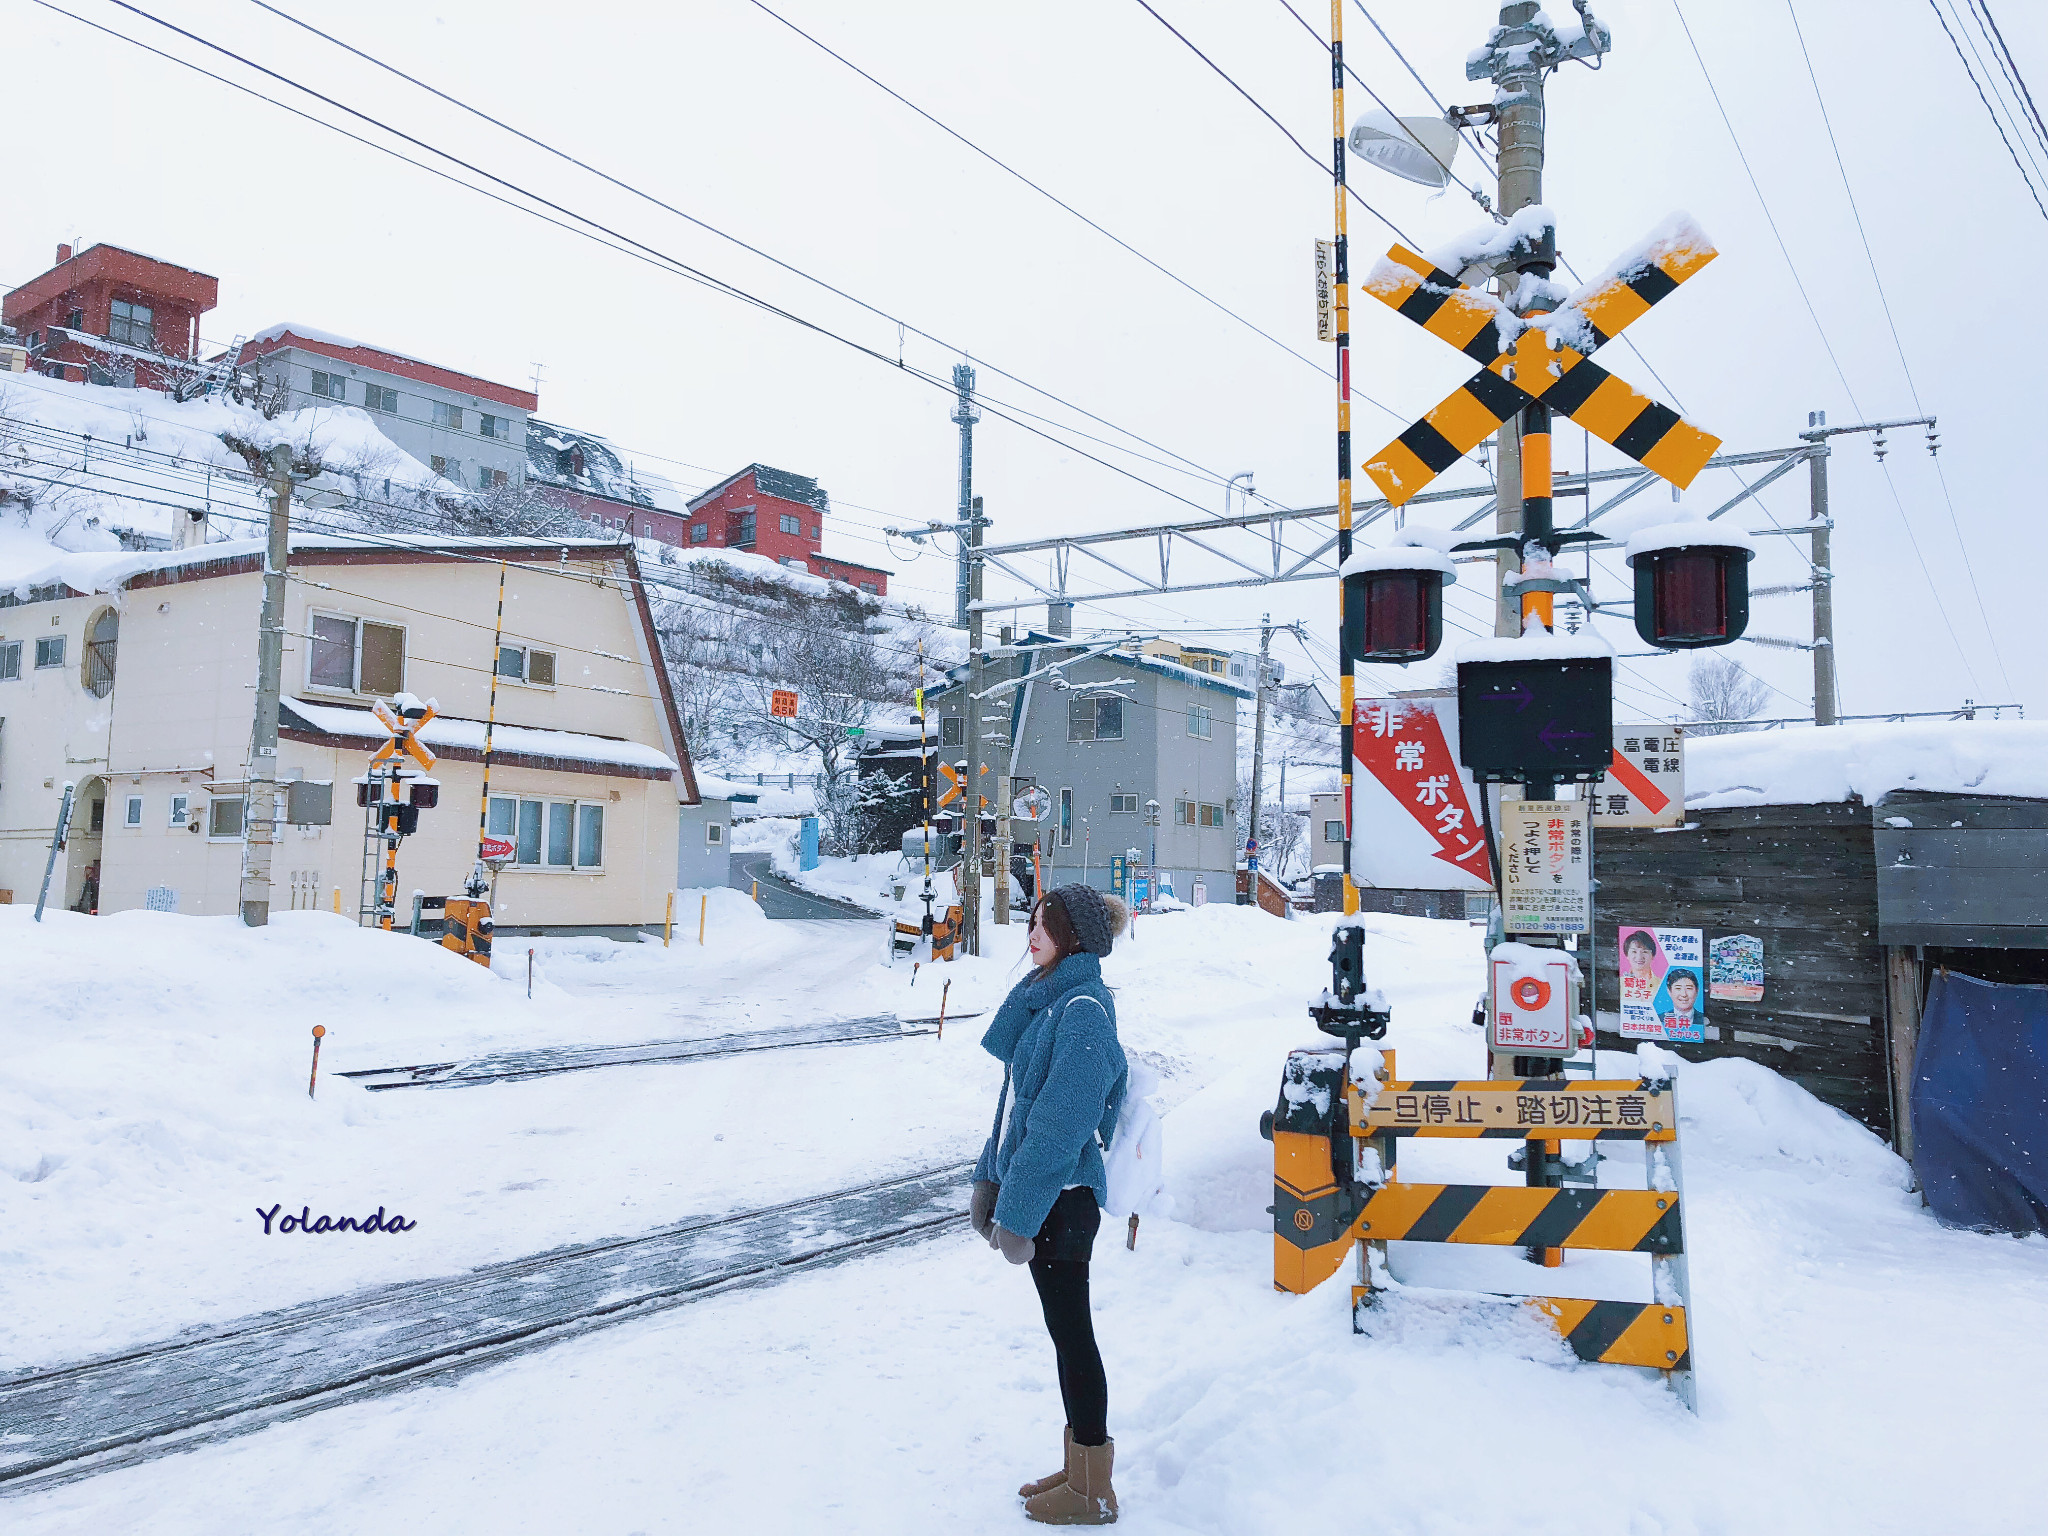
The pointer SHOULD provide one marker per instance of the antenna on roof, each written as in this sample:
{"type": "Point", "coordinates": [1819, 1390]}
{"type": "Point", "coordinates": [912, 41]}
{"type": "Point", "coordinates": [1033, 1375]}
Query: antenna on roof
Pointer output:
{"type": "Point", "coordinates": [538, 369]}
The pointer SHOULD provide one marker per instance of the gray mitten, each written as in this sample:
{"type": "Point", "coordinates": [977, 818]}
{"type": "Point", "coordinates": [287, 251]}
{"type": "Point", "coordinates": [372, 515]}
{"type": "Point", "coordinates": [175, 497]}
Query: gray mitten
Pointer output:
{"type": "Point", "coordinates": [1017, 1250]}
{"type": "Point", "coordinates": [981, 1207]}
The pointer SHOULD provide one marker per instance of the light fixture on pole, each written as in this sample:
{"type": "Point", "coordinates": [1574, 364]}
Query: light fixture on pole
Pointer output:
{"type": "Point", "coordinates": [1418, 149]}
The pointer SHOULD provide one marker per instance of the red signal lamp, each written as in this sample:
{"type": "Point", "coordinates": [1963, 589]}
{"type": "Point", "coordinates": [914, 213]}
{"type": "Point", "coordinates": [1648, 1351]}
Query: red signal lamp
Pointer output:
{"type": "Point", "coordinates": [1394, 603]}
{"type": "Point", "coordinates": [1692, 585]}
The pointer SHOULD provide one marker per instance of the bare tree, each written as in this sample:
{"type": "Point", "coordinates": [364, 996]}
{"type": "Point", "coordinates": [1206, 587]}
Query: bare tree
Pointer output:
{"type": "Point", "coordinates": [1723, 695]}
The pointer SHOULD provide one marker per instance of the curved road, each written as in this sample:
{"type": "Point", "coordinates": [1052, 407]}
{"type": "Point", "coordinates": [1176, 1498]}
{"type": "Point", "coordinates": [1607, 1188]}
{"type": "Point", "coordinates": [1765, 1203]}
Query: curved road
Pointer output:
{"type": "Point", "coordinates": [781, 899]}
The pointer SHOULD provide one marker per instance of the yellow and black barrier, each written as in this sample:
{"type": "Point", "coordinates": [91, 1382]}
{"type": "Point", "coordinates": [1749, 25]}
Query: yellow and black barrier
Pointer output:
{"type": "Point", "coordinates": [1335, 1184]}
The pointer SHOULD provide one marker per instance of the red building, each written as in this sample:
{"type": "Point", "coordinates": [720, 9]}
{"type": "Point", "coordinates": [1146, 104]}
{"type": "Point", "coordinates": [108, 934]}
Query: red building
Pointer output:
{"type": "Point", "coordinates": [110, 316]}
{"type": "Point", "coordinates": [774, 513]}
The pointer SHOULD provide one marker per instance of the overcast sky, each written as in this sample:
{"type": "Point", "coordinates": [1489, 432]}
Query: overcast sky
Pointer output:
{"type": "Point", "coordinates": [717, 108]}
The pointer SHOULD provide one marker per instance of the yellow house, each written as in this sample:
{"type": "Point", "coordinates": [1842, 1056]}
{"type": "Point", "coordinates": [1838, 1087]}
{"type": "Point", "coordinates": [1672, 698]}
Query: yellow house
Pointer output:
{"type": "Point", "coordinates": [134, 677]}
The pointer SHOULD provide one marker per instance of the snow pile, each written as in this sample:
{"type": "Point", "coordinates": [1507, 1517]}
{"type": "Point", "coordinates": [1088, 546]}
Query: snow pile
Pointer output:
{"type": "Point", "coordinates": [1810, 766]}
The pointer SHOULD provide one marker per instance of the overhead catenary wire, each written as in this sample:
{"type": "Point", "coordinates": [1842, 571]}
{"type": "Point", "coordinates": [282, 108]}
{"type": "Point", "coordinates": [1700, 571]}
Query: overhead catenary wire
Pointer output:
{"type": "Point", "coordinates": [2013, 69]}
{"type": "Point", "coordinates": [2013, 110]}
{"type": "Point", "coordinates": [2032, 190]}
{"type": "Point", "coordinates": [1478, 147]}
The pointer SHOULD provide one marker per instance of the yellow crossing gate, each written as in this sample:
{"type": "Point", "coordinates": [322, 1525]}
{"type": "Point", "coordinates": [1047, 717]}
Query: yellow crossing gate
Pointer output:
{"type": "Point", "coordinates": [1335, 1184]}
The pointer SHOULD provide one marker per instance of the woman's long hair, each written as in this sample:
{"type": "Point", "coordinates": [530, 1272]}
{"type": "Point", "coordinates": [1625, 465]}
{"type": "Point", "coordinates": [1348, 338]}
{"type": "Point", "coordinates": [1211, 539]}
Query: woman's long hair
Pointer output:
{"type": "Point", "coordinates": [1059, 927]}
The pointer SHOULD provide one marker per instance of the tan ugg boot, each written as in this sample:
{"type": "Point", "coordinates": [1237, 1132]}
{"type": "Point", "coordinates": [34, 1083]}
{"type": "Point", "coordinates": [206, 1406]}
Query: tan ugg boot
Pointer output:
{"type": "Point", "coordinates": [1051, 1479]}
{"type": "Point", "coordinates": [1086, 1497]}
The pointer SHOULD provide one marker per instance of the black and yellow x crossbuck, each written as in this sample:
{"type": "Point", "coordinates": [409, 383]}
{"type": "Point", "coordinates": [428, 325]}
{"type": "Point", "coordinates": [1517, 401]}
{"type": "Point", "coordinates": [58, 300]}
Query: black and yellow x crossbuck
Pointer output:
{"type": "Point", "coordinates": [1541, 358]}
{"type": "Point", "coordinates": [1336, 1185]}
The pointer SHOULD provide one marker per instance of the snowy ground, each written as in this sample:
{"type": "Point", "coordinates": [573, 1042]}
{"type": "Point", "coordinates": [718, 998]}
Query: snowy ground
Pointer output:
{"type": "Point", "coordinates": [1860, 1368]}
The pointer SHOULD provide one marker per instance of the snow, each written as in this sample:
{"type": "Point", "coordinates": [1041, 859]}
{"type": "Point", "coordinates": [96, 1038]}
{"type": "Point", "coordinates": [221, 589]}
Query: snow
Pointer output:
{"type": "Point", "coordinates": [314, 333]}
{"type": "Point", "coordinates": [1485, 243]}
{"type": "Point", "coordinates": [1866, 760]}
{"type": "Point", "coordinates": [1536, 645]}
{"type": "Point", "coordinates": [445, 731]}
{"type": "Point", "coordinates": [1401, 557]}
{"type": "Point", "coordinates": [1420, 536]}
{"type": "Point", "coordinates": [1860, 1367]}
{"type": "Point", "coordinates": [1689, 534]}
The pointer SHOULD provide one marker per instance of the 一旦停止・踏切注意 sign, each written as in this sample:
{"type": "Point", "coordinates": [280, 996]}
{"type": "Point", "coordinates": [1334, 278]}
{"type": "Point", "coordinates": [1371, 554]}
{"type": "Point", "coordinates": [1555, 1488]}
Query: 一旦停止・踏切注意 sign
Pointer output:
{"type": "Point", "coordinates": [1645, 785]}
{"type": "Point", "coordinates": [1546, 867]}
{"type": "Point", "coordinates": [1541, 1107]}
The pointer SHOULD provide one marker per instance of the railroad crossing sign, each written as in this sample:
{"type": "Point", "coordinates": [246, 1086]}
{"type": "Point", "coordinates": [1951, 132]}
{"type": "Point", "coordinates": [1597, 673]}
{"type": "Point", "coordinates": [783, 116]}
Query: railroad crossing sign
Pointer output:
{"type": "Point", "coordinates": [403, 729]}
{"type": "Point", "coordinates": [1541, 358]}
{"type": "Point", "coordinates": [950, 785]}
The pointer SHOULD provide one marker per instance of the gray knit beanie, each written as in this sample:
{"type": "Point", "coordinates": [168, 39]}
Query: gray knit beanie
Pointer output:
{"type": "Point", "coordinates": [1097, 918]}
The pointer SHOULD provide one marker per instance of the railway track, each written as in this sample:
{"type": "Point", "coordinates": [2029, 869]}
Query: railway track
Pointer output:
{"type": "Point", "coordinates": [511, 1066]}
{"type": "Point", "coordinates": [64, 1423]}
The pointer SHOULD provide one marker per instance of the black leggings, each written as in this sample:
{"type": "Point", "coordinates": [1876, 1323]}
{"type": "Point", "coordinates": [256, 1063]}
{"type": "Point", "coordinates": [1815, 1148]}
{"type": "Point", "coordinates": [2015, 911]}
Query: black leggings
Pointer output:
{"type": "Point", "coordinates": [1063, 1294]}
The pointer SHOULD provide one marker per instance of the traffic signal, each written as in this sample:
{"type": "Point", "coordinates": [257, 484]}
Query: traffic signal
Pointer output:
{"type": "Point", "coordinates": [1692, 585]}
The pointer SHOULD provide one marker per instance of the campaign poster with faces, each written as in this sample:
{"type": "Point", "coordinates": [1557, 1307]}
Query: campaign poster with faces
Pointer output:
{"type": "Point", "coordinates": [1663, 991]}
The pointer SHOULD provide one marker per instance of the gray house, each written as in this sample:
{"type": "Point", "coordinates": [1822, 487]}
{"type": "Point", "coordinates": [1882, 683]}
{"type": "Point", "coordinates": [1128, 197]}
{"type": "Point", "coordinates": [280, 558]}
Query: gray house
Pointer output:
{"type": "Point", "coordinates": [1106, 736]}
{"type": "Point", "coordinates": [465, 429]}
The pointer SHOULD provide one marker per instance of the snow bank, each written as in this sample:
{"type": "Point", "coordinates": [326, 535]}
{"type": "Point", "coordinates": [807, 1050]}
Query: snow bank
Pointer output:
{"type": "Point", "coordinates": [1810, 766]}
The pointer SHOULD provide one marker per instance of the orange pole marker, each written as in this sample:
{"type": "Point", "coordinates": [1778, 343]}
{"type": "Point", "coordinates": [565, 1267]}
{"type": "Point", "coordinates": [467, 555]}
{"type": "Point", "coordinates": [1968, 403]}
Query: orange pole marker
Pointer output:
{"type": "Point", "coordinates": [319, 1031]}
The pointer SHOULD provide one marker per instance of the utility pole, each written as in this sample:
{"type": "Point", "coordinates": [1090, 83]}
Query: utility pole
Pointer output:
{"type": "Point", "coordinates": [1824, 697]}
{"type": "Point", "coordinates": [970, 713]}
{"type": "Point", "coordinates": [1347, 680]}
{"type": "Point", "coordinates": [260, 813]}
{"type": "Point", "coordinates": [965, 414]}
{"type": "Point", "coordinates": [1004, 756]}
{"type": "Point", "coordinates": [1258, 754]}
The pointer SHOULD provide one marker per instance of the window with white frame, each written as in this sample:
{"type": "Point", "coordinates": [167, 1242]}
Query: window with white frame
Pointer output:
{"type": "Point", "coordinates": [181, 811]}
{"type": "Point", "coordinates": [10, 662]}
{"type": "Point", "coordinates": [1333, 831]}
{"type": "Point", "coordinates": [133, 325]}
{"type": "Point", "coordinates": [494, 426]}
{"type": "Point", "coordinates": [346, 654]}
{"type": "Point", "coordinates": [1200, 721]}
{"type": "Point", "coordinates": [714, 833]}
{"type": "Point", "coordinates": [524, 665]}
{"type": "Point", "coordinates": [1212, 816]}
{"type": "Point", "coordinates": [699, 533]}
{"type": "Point", "coordinates": [224, 817]}
{"type": "Point", "coordinates": [330, 386]}
{"type": "Point", "coordinates": [1066, 826]}
{"type": "Point", "coordinates": [564, 835]}
{"type": "Point", "coordinates": [132, 815]}
{"type": "Point", "coordinates": [447, 416]}
{"type": "Point", "coordinates": [1183, 813]}
{"type": "Point", "coordinates": [1095, 717]}
{"type": "Point", "coordinates": [49, 651]}
{"type": "Point", "coordinates": [952, 730]}
{"type": "Point", "coordinates": [791, 523]}
{"type": "Point", "coordinates": [380, 397]}
{"type": "Point", "coordinates": [1123, 805]}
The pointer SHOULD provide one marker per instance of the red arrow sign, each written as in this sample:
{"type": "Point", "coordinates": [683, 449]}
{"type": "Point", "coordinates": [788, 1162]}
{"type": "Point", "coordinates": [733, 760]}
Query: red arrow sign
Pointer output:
{"type": "Point", "coordinates": [494, 847]}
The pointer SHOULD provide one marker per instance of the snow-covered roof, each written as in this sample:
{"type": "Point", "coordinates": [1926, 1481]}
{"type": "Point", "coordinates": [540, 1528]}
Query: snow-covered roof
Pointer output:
{"type": "Point", "coordinates": [1809, 765]}
{"type": "Point", "coordinates": [780, 483]}
{"type": "Point", "coordinates": [606, 470]}
{"type": "Point", "coordinates": [712, 787]}
{"type": "Point", "coordinates": [446, 732]}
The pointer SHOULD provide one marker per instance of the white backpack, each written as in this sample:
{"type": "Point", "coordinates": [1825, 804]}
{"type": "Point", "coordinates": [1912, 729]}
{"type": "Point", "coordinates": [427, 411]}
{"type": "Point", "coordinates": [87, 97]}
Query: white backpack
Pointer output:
{"type": "Point", "coordinates": [1135, 1163]}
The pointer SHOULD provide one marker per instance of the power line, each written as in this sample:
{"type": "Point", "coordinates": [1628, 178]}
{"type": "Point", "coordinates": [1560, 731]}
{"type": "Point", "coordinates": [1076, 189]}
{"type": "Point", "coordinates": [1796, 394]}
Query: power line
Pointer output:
{"type": "Point", "coordinates": [1995, 123]}
{"type": "Point", "coordinates": [1313, 158]}
{"type": "Point", "coordinates": [641, 251]}
{"type": "Point", "coordinates": [2013, 68]}
{"type": "Point", "coordinates": [1898, 344]}
{"type": "Point", "coordinates": [1053, 198]}
{"type": "Point", "coordinates": [1478, 147]}
{"type": "Point", "coordinates": [2020, 126]}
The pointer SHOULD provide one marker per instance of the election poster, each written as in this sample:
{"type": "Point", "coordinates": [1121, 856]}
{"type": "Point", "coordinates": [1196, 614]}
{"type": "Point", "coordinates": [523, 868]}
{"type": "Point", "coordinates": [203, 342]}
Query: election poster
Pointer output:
{"type": "Point", "coordinates": [1415, 810]}
{"type": "Point", "coordinates": [1661, 984]}
{"type": "Point", "coordinates": [1736, 968]}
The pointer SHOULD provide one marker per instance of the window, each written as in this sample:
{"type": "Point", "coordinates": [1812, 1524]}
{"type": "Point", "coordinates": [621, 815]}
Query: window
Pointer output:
{"type": "Point", "coordinates": [102, 640]}
{"type": "Point", "coordinates": [75, 320]}
{"type": "Point", "coordinates": [792, 523]}
{"type": "Point", "coordinates": [355, 655]}
{"type": "Point", "coordinates": [1212, 815]}
{"type": "Point", "coordinates": [224, 817]}
{"type": "Point", "coordinates": [746, 528]}
{"type": "Point", "coordinates": [447, 416]}
{"type": "Point", "coordinates": [494, 426]}
{"type": "Point", "coordinates": [133, 325]}
{"type": "Point", "coordinates": [49, 651]}
{"type": "Point", "coordinates": [699, 533]}
{"type": "Point", "coordinates": [527, 666]}
{"type": "Point", "coordinates": [499, 477]}
{"type": "Point", "coordinates": [714, 833]}
{"type": "Point", "coordinates": [1095, 717]}
{"type": "Point", "coordinates": [377, 397]}
{"type": "Point", "coordinates": [132, 816]}
{"type": "Point", "coordinates": [10, 661]}
{"type": "Point", "coordinates": [553, 834]}
{"type": "Point", "coordinates": [1200, 721]}
{"type": "Point", "coordinates": [1183, 813]}
{"type": "Point", "coordinates": [181, 810]}
{"type": "Point", "coordinates": [1123, 805]}
{"type": "Point", "coordinates": [952, 730]}
{"type": "Point", "coordinates": [1066, 818]}
{"type": "Point", "coordinates": [647, 530]}
{"type": "Point", "coordinates": [438, 464]}
{"type": "Point", "coordinates": [96, 816]}
{"type": "Point", "coordinates": [870, 588]}
{"type": "Point", "coordinates": [483, 477]}
{"type": "Point", "coordinates": [329, 386]}
{"type": "Point", "coordinates": [1333, 831]}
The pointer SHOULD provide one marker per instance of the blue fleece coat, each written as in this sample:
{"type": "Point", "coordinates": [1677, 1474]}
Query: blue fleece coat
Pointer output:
{"type": "Point", "coordinates": [1057, 1036]}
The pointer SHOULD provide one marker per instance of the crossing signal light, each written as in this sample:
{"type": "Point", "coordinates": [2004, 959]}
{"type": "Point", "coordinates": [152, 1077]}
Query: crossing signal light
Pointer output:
{"type": "Point", "coordinates": [1692, 595]}
{"type": "Point", "coordinates": [1394, 603]}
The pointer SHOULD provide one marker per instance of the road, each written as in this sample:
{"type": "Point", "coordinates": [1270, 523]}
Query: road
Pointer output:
{"type": "Point", "coordinates": [781, 899]}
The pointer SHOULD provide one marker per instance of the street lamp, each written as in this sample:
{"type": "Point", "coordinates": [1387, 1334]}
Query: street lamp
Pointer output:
{"type": "Point", "coordinates": [1152, 862]}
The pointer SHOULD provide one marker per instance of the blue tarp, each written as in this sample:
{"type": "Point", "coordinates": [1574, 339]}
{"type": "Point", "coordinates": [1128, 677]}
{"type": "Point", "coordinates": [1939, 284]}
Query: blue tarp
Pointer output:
{"type": "Point", "coordinates": [1980, 1104]}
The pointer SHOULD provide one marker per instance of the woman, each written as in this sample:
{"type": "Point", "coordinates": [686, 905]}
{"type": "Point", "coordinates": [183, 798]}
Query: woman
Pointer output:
{"type": "Point", "coordinates": [1041, 1172]}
